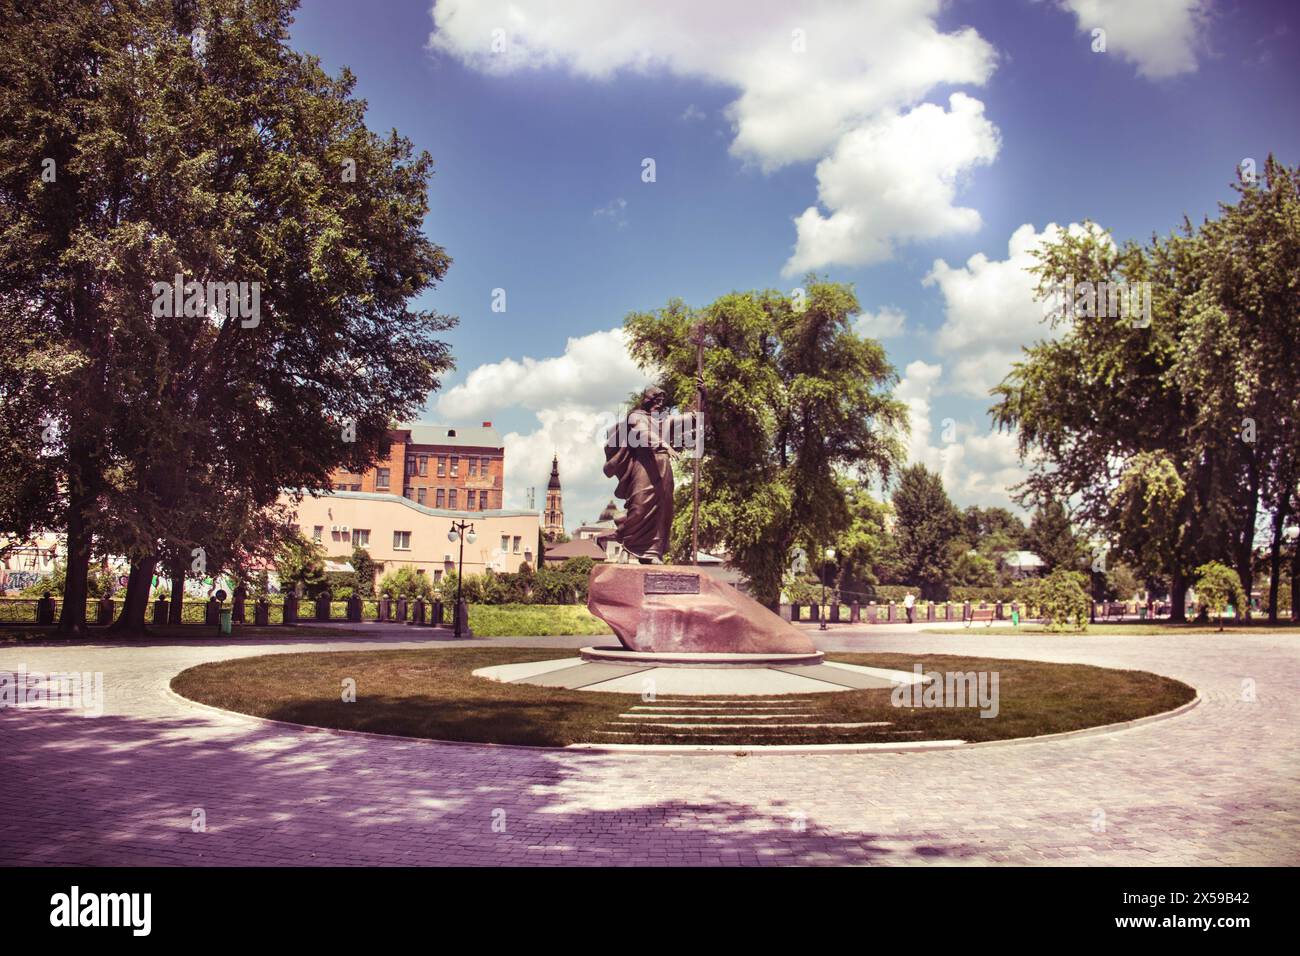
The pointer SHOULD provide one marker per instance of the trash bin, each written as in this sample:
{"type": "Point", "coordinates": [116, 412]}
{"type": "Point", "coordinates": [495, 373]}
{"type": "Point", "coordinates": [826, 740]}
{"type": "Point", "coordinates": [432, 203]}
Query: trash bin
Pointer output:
{"type": "Point", "coordinates": [223, 621]}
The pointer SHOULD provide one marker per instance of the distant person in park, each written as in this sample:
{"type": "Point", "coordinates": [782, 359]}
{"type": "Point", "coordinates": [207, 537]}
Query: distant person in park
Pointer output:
{"type": "Point", "coordinates": [909, 602]}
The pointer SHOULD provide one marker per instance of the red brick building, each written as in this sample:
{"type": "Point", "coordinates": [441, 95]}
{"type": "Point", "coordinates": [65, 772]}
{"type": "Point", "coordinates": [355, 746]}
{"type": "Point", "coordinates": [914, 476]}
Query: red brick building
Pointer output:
{"type": "Point", "coordinates": [440, 466]}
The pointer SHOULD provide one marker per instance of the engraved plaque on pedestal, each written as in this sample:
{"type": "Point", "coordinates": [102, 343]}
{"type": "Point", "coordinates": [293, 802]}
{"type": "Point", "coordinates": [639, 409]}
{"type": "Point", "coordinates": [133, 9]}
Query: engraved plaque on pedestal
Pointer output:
{"type": "Point", "coordinates": [669, 582]}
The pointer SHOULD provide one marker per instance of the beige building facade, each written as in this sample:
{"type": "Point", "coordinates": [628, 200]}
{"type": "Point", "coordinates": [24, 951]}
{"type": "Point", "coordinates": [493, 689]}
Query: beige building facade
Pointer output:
{"type": "Point", "coordinates": [398, 532]}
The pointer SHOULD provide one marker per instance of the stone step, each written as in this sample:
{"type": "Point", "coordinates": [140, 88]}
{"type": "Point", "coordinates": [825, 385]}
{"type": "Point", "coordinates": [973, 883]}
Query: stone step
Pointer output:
{"type": "Point", "coordinates": [841, 734]}
{"type": "Point", "coordinates": [803, 726]}
{"type": "Point", "coordinates": [710, 707]}
{"type": "Point", "coordinates": [716, 716]}
{"type": "Point", "coordinates": [739, 700]}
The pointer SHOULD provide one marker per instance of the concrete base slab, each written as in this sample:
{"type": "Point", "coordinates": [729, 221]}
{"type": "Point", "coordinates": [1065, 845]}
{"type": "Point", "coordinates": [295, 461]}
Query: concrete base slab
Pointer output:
{"type": "Point", "coordinates": [892, 677]}
{"type": "Point", "coordinates": [581, 676]}
{"type": "Point", "coordinates": [622, 655]}
{"type": "Point", "coordinates": [751, 678]}
{"type": "Point", "coordinates": [508, 673]}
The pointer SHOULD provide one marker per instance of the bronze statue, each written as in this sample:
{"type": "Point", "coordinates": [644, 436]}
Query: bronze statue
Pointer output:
{"type": "Point", "coordinates": [639, 452]}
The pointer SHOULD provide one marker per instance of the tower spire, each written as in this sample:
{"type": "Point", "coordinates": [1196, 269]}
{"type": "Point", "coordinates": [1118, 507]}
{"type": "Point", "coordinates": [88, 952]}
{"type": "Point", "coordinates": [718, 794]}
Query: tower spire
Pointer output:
{"type": "Point", "coordinates": [553, 523]}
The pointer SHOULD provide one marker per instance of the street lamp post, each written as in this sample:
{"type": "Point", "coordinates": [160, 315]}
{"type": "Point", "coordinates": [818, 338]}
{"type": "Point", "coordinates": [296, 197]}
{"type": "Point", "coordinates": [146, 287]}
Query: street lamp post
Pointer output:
{"type": "Point", "coordinates": [825, 611]}
{"type": "Point", "coordinates": [461, 531]}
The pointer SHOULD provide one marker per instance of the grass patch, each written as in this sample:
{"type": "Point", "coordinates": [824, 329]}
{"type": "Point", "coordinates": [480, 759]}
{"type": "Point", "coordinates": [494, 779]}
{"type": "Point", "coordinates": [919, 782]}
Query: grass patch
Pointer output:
{"type": "Point", "coordinates": [431, 693]}
{"type": "Point", "coordinates": [486, 620]}
{"type": "Point", "coordinates": [169, 632]}
{"type": "Point", "coordinates": [533, 620]}
{"type": "Point", "coordinates": [1135, 629]}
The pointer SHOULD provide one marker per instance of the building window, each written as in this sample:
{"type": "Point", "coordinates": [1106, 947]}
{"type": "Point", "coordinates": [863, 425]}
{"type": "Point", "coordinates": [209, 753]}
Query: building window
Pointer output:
{"type": "Point", "coordinates": [483, 467]}
{"type": "Point", "coordinates": [451, 499]}
{"type": "Point", "coordinates": [381, 479]}
{"type": "Point", "coordinates": [482, 501]}
{"type": "Point", "coordinates": [316, 532]}
{"type": "Point", "coordinates": [455, 465]}
{"type": "Point", "coordinates": [409, 493]}
{"type": "Point", "coordinates": [469, 501]}
{"type": "Point", "coordinates": [517, 540]}
{"type": "Point", "coordinates": [360, 537]}
{"type": "Point", "coordinates": [505, 542]}
{"type": "Point", "coordinates": [419, 496]}
{"type": "Point", "coordinates": [442, 466]}
{"type": "Point", "coordinates": [410, 465]}
{"type": "Point", "coordinates": [437, 574]}
{"type": "Point", "coordinates": [473, 467]}
{"type": "Point", "coordinates": [401, 541]}
{"type": "Point", "coordinates": [424, 466]}
{"type": "Point", "coordinates": [442, 498]}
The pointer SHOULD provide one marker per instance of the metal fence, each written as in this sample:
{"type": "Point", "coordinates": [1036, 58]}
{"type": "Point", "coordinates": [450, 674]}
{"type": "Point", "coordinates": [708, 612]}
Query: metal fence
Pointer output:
{"type": "Point", "coordinates": [103, 611]}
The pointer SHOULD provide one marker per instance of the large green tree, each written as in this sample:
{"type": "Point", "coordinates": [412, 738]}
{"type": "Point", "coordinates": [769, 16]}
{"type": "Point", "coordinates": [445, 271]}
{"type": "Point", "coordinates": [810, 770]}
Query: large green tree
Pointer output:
{"type": "Point", "coordinates": [1051, 536]}
{"type": "Point", "coordinates": [1175, 435]}
{"type": "Point", "coordinates": [1252, 305]}
{"type": "Point", "coordinates": [864, 551]}
{"type": "Point", "coordinates": [926, 525]}
{"type": "Point", "coordinates": [796, 401]}
{"type": "Point", "coordinates": [1106, 415]}
{"type": "Point", "coordinates": [150, 140]}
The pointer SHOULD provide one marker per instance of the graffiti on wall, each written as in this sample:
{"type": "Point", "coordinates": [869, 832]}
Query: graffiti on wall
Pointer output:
{"type": "Point", "coordinates": [18, 580]}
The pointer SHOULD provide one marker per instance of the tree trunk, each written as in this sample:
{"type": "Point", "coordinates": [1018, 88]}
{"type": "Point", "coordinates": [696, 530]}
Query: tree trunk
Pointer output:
{"type": "Point", "coordinates": [1178, 598]}
{"type": "Point", "coordinates": [72, 616]}
{"type": "Point", "coordinates": [1295, 581]}
{"type": "Point", "coordinates": [176, 607]}
{"type": "Point", "coordinates": [1275, 562]}
{"type": "Point", "coordinates": [1246, 547]}
{"type": "Point", "coordinates": [131, 620]}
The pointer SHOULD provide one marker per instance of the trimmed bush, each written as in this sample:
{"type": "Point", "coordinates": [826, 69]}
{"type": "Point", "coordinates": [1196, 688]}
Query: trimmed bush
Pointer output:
{"type": "Point", "coordinates": [1063, 600]}
{"type": "Point", "coordinates": [1217, 587]}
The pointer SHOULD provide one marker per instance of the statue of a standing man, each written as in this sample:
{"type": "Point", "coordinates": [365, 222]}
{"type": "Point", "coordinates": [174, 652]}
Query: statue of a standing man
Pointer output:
{"type": "Point", "coordinates": [639, 452]}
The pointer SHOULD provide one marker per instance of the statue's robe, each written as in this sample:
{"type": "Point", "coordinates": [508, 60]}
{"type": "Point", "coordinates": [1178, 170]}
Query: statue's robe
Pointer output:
{"type": "Point", "coordinates": [636, 454]}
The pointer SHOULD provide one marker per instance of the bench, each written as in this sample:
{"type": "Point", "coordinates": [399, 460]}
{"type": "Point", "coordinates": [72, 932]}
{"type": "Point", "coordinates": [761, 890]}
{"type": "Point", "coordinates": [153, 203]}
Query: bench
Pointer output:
{"type": "Point", "coordinates": [1114, 610]}
{"type": "Point", "coordinates": [981, 614]}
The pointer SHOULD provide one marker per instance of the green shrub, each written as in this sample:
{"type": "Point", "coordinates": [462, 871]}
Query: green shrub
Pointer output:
{"type": "Point", "coordinates": [1218, 586]}
{"type": "Point", "coordinates": [1063, 600]}
{"type": "Point", "coordinates": [407, 582]}
{"type": "Point", "coordinates": [301, 562]}
{"type": "Point", "coordinates": [1019, 591]}
{"type": "Point", "coordinates": [363, 569]}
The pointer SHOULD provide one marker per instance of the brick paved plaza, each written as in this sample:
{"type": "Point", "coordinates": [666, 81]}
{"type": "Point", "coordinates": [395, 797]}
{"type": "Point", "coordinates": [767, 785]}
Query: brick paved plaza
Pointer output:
{"type": "Point", "coordinates": [1219, 784]}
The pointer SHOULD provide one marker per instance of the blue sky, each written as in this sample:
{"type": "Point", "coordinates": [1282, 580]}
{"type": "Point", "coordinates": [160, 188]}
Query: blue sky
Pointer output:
{"type": "Point", "coordinates": [943, 131]}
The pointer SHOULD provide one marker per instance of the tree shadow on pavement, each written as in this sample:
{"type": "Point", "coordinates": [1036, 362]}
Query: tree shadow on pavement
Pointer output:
{"type": "Point", "coordinates": [118, 790]}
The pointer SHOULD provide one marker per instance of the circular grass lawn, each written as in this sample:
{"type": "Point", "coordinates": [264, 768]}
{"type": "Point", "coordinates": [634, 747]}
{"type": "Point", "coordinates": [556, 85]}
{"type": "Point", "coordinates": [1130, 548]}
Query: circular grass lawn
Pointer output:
{"type": "Point", "coordinates": [432, 693]}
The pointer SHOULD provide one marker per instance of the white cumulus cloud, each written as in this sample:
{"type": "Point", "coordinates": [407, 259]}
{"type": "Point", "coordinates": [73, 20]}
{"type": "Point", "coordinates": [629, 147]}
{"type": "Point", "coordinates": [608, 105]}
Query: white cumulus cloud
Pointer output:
{"type": "Point", "coordinates": [1160, 37]}
{"type": "Point", "coordinates": [990, 311]}
{"type": "Point", "coordinates": [977, 465]}
{"type": "Point", "coordinates": [895, 179]}
{"type": "Point", "coordinates": [886, 323]}
{"type": "Point", "coordinates": [825, 80]}
{"type": "Point", "coordinates": [595, 371]}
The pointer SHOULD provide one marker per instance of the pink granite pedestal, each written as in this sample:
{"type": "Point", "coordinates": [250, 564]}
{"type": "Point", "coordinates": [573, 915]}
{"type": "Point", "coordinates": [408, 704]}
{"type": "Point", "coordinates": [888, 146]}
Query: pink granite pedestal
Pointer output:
{"type": "Point", "coordinates": [681, 609]}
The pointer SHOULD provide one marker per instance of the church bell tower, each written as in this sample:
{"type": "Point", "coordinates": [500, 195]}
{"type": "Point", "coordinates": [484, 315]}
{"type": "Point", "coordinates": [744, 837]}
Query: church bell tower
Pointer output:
{"type": "Point", "coordinates": [553, 523]}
